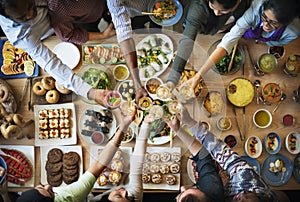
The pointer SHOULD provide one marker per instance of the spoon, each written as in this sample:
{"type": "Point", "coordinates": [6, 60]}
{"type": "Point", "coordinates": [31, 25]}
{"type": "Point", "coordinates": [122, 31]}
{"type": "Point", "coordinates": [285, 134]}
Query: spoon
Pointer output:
{"type": "Point", "coordinates": [283, 171]}
{"type": "Point", "coordinates": [283, 97]}
{"type": "Point", "coordinates": [257, 84]}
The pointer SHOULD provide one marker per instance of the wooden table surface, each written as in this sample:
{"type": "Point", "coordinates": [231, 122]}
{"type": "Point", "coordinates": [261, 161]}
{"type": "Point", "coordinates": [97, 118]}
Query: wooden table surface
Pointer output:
{"type": "Point", "coordinates": [213, 82]}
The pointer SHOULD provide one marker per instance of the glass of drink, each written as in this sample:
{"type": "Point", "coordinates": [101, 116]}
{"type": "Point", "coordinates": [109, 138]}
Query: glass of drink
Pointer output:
{"type": "Point", "coordinates": [186, 92]}
{"type": "Point", "coordinates": [156, 112]}
{"type": "Point", "coordinates": [127, 107]}
{"type": "Point", "coordinates": [174, 107]}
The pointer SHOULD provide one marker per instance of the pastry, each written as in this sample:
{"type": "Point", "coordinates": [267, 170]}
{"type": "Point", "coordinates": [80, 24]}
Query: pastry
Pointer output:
{"type": "Point", "coordinates": [146, 178]}
{"type": "Point", "coordinates": [118, 154]}
{"type": "Point", "coordinates": [175, 157]}
{"type": "Point", "coordinates": [114, 177]}
{"type": "Point", "coordinates": [117, 165]}
{"type": "Point", "coordinates": [213, 103]}
{"type": "Point", "coordinates": [164, 169]}
{"type": "Point", "coordinates": [174, 168]}
{"type": "Point", "coordinates": [165, 157]}
{"type": "Point", "coordinates": [155, 157]}
{"type": "Point", "coordinates": [154, 168]}
{"type": "Point", "coordinates": [170, 179]}
{"type": "Point", "coordinates": [102, 180]}
{"type": "Point", "coordinates": [156, 178]}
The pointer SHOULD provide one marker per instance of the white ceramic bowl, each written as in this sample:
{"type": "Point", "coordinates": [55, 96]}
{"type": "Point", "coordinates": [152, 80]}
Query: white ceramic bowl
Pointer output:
{"type": "Point", "coordinates": [272, 143]}
{"type": "Point", "coordinates": [121, 72]}
{"type": "Point", "coordinates": [152, 84]}
{"type": "Point", "coordinates": [253, 147]}
{"type": "Point", "coordinates": [224, 123]}
{"type": "Point", "coordinates": [292, 142]}
{"type": "Point", "coordinates": [262, 118]}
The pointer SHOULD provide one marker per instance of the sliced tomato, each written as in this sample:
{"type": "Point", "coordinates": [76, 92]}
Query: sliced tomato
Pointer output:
{"type": "Point", "coordinates": [157, 5]}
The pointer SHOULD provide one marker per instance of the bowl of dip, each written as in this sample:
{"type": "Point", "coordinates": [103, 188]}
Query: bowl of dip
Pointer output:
{"type": "Point", "coordinates": [262, 118]}
{"type": "Point", "coordinates": [271, 92]}
{"type": "Point", "coordinates": [121, 72]}
{"type": "Point", "coordinates": [267, 62]}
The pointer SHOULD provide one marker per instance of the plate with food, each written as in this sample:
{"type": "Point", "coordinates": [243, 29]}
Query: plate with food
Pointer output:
{"type": "Point", "coordinates": [191, 170]}
{"type": "Point", "coordinates": [15, 62]}
{"type": "Point", "coordinates": [97, 118]}
{"type": "Point", "coordinates": [166, 12]}
{"type": "Point", "coordinates": [159, 133]}
{"type": "Point", "coordinates": [161, 168]}
{"type": "Point", "coordinates": [253, 162]}
{"type": "Point", "coordinates": [213, 103]}
{"type": "Point", "coordinates": [126, 89]}
{"type": "Point", "coordinates": [55, 124]}
{"type": "Point", "coordinates": [253, 147]}
{"type": "Point", "coordinates": [61, 165]}
{"type": "Point", "coordinates": [276, 170]}
{"type": "Point", "coordinates": [296, 168]}
{"type": "Point", "coordinates": [154, 54]}
{"type": "Point", "coordinates": [20, 165]}
{"type": "Point", "coordinates": [97, 76]}
{"type": "Point", "coordinates": [102, 54]}
{"type": "Point", "coordinates": [292, 142]}
{"type": "Point", "coordinates": [116, 172]}
{"type": "Point", "coordinates": [222, 66]}
{"type": "Point", "coordinates": [272, 143]}
{"type": "Point", "coordinates": [68, 53]}
{"type": "Point", "coordinates": [47, 91]}
{"type": "Point", "coordinates": [240, 92]}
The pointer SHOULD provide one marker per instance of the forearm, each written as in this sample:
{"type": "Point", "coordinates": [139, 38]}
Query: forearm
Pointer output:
{"type": "Point", "coordinates": [190, 141]}
{"type": "Point", "coordinates": [128, 48]}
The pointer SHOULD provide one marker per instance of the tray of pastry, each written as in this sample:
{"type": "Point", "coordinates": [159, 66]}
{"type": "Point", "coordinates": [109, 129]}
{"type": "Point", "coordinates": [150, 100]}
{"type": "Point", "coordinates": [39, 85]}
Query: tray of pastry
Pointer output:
{"type": "Point", "coordinates": [45, 90]}
{"type": "Point", "coordinates": [116, 172]}
{"type": "Point", "coordinates": [161, 168]}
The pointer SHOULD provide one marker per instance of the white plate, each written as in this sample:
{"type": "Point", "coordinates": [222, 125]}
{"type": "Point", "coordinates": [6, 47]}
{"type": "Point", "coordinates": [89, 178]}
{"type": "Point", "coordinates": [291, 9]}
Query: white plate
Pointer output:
{"type": "Point", "coordinates": [112, 126]}
{"type": "Point", "coordinates": [55, 141]}
{"type": "Point", "coordinates": [68, 53]}
{"type": "Point", "coordinates": [164, 185]}
{"type": "Point", "coordinates": [159, 140]}
{"type": "Point", "coordinates": [44, 152]}
{"type": "Point", "coordinates": [190, 170]}
{"type": "Point", "coordinates": [126, 153]}
{"type": "Point", "coordinates": [169, 56]}
{"type": "Point", "coordinates": [28, 151]}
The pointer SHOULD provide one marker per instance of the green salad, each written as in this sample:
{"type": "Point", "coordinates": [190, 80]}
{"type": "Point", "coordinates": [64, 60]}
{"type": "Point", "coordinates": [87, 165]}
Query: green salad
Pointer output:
{"type": "Point", "coordinates": [222, 65]}
{"type": "Point", "coordinates": [96, 78]}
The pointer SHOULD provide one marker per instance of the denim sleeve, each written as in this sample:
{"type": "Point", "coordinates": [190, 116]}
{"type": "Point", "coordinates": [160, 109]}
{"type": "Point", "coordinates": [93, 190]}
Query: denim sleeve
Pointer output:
{"type": "Point", "coordinates": [209, 182]}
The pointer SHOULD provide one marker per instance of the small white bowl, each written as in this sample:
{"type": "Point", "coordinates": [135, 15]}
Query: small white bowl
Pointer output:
{"type": "Point", "coordinates": [152, 84]}
{"type": "Point", "coordinates": [262, 118]}
{"type": "Point", "coordinates": [272, 149]}
{"type": "Point", "coordinates": [224, 123]}
{"type": "Point", "coordinates": [121, 72]}
{"type": "Point", "coordinates": [253, 147]}
{"type": "Point", "coordinates": [295, 142]}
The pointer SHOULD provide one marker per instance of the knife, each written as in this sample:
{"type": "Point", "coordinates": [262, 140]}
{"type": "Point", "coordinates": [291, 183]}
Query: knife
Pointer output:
{"type": "Point", "coordinates": [29, 102]}
{"type": "Point", "coordinates": [244, 117]}
{"type": "Point", "coordinates": [23, 94]}
{"type": "Point", "coordinates": [237, 123]}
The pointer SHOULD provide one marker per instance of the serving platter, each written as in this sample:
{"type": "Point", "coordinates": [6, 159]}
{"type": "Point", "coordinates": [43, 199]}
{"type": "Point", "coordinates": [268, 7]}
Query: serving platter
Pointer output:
{"type": "Point", "coordinates": [126, 153]}
{"type": "Point", "coordinates": [163, 185]}
{"type": "Point", "coordinates": [56, 141]}
{"type": "Point", "coordinates": [65, 149]}
{"type": "Point", "coordinates": [13, 76]}
{"type": "Point", "coordinates": [191, 170]}
{"type": "Point", "coordinates": [157, 48]}
{"type": "Point", "coordinates": [28, 151]}
{"type": "Point", "coordinates": [90, 129]}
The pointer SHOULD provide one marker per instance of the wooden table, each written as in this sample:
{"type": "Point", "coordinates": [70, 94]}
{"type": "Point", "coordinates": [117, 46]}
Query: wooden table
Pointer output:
{"type": "Point", "coordinates": [213, 82]}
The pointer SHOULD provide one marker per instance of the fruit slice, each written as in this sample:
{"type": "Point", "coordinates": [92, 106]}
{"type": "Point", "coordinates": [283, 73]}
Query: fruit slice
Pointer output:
{"type": "Point", "coordinates": [28, 68]}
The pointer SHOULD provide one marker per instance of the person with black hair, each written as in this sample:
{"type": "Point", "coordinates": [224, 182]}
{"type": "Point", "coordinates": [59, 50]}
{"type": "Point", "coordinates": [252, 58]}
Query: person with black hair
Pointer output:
{"type": "Point", "coordinates": [26, 23]}
{"type": "Point", "coordinates": [205, 17]}
{"type": "Point", "coordinates": [274, 22]}
{"type": "Point", "coordinates": [78, 191]}
{"type": "Point", "coordinates": [244, 183]}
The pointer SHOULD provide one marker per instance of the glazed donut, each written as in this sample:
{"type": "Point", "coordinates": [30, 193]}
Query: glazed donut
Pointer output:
{"type": "Point", "coordinates": [52, 96]}
{"type": "Point", "coordinates": [61, 88]}
{"type": "Point", "coordinates": [38, 88]}
{"type": "Point", "coordinates": [18, 119]}
{"type": "Point", "coordinates": [48, 83]}
{"type": "Point", "coordinates": [4, 92]}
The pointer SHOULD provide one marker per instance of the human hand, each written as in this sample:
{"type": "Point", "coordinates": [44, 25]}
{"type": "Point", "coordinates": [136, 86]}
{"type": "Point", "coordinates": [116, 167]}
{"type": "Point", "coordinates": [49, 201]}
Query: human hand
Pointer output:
{"type": "Point", "coordinates": [149, 118]}
{"type": "Point", "coordinates": [98, 95]}
{"type": "Point", "coordinates": [128, 118]}
{"type": "Point", "coordinates": [4, 191]}
{"type": "Point", "coordinates": [109, 31]}
{"type": "Point", "coordinates": [140, 92]}
{"type": "Point", "coordinates": [174, 123]}
{"type": "Point", "coordinates": [185, 117]}
{"type": "Point", "coordinates": [170, 85]}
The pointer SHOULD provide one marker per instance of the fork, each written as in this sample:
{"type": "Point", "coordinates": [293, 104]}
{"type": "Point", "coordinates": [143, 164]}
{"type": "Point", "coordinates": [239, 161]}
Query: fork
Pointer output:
{"type": "Point", "coordinates": [138, 119]}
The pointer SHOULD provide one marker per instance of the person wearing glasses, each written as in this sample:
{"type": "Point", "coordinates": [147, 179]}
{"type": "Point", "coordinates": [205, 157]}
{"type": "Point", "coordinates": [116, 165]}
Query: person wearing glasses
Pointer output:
{"type": "Point", "coordinates": [274, 22]}
{"type": "Point", "coordinates": [26, 23]}
{"type": "Point", "coordinates": [244, 183]}
{"type": "Point", "coordinates": [78, 191]}
{"type": "Point", "coordinates": [209, 187]}
{"type": "Point", "coordinates": [205, 17]}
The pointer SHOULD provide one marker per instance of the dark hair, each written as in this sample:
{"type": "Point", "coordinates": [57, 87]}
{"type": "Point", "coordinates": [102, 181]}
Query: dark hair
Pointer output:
{"type": "Point", "coordinates": [285, 11]}
{"type": "Point", "coordinates": [105, 199]}
{"type": "Point", "coordinates": [227, 4]}
{"type": "Point", "coordinates": [33, 195]}
{"type": "Point", "coordinates": [194, 198]}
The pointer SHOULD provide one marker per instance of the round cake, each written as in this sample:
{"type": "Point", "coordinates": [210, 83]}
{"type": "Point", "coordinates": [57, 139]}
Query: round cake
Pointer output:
{"type": "Point", "coordinates": [240, 92]}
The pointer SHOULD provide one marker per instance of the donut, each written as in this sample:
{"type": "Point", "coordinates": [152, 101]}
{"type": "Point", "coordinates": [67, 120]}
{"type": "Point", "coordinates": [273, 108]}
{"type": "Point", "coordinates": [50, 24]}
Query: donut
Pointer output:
{"type": "Point", "coordinates": [52, 96]}
{"type": "Point", "coordinates": [18, 119]}
{"type": "Point", "coordinates": [2, 111]}
{"type": "Point", "coordinates": [48, 83]}
{"type": "Point", "coordinates": [4, 92]}
{"type": "Point", "coordinates": [38, 88]}
{"type": "Point", "coordinates": [10, 131]}
{"type": "Point", "coordinates": [61, 88]}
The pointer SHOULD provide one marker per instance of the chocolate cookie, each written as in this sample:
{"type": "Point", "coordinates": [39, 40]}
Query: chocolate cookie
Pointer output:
{"type": "Point", "coordinates": [69, 179]}
{"type": "Point", "coordinates": [70, 167]}
{"type": "Point", "coordinates": [54, 180]}
{"type": "Point", "coordinates": [70, 172]}
{"type": "Point", "coordinates": [53, 167]}
{"type": "Point", "coordinates": [55, 155]}
{"type": "Point", "coordinates": [70, 158]}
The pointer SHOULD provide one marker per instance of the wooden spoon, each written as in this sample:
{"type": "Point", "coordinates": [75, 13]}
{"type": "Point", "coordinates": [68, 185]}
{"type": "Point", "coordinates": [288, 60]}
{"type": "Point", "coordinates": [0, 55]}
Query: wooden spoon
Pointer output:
{"type": "Point", "coordinates": [232, 57]}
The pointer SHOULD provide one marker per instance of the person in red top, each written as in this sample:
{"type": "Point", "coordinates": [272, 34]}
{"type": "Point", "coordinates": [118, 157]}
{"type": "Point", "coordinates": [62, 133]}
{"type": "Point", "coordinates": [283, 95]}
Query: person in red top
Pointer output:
{"type": "Point", "coordinates": [77, 21]}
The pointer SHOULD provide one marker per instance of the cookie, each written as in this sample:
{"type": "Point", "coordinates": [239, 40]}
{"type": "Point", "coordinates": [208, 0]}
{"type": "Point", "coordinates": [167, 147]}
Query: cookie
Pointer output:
{"type": "Point", "coordinates": [156, 178]}
{"type": "Point", "coordinates": [54, 180]}
{"type": "Point", "coordinates": [174, 168]}
{"type": "Point", "coordinates": [175, 157]}
{"type": "Point", "coordinates": [165, 157]}
{"type": "Point", "coordinates": [70, 167]}
{"type": "Point", "coordinates": [70, 179]}
{"type": "Point", "coordinates": [164, 169]}
{"type": "Point", "coordinates": [170, 179]}
{"type": "Point", "coordinates": [154, 168]}
{"type": "Point", "coordinates": [155, 157]}
{"type": "Point", "coordinates": [53, 167]}
{"type": "Point", "coordinates": [146, 178]}
{"type": "Point", "coordinates": [70, 172]}
{"type": "Point", "coordinates": [55, 155]}
{"type": "Point", "coordinates": [71, 158]}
